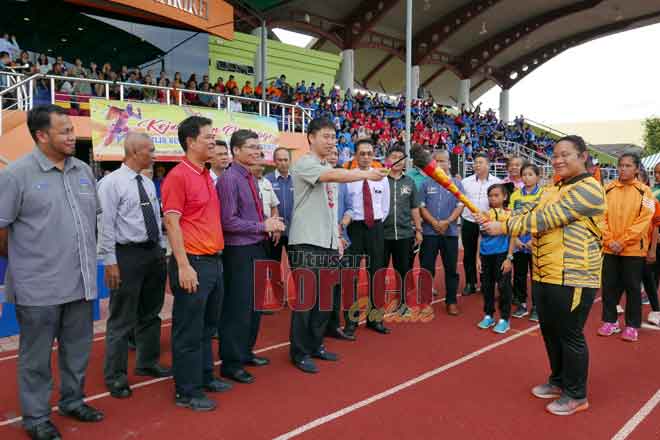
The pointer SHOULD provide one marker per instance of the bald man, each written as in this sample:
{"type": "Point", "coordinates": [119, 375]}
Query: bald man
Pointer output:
{"type": "Point", "coordinates": [133, 253]}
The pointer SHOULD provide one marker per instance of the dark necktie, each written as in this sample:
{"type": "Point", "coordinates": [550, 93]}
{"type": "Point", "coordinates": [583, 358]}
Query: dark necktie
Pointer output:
{"type": "Point", "coordinates": [147, 212]}
{"type": "Point", "coordinates": [367, 204]}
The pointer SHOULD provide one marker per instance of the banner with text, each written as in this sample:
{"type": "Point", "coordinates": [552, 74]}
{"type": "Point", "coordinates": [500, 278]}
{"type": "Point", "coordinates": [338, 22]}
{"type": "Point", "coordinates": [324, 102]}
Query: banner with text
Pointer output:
{"type": "Point", "coordinates": [112, 120]}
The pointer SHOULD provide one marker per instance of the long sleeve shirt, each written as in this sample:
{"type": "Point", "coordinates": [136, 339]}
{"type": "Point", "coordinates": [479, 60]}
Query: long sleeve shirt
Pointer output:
{"type": "Point", "coordinates": [122, 220]}
{"type": "Point", "coordinates": [380, 199]}
{"type": "Point", "coordinates": [240, 219]}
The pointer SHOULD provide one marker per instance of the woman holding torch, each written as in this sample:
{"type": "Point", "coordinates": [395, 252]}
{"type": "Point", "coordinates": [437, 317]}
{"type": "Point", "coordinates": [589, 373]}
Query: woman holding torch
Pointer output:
{"type": "Point", "coordinates": [567, 261]}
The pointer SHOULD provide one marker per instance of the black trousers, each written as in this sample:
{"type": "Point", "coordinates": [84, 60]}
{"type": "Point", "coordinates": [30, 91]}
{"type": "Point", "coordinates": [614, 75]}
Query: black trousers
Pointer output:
{"type": "Point", "coordinates": [522, 265]}
{"type": "Point", "coordinates": [239, 319]}
{"type": "Point", "coordinates": [619, 274]}
{"type": "Point", "coordinates": [135, 305]}
{"type": "Point", "coordinates": [194, 319]}
{"type": "Point", "coordinates": [650, 282]}
{"type": "Point", "coordinates": [470, 238]}
{"type": "Point", "coordinates": [308, 327]}
{"type": "Point", "coordinates": [275, 251]}
{"type": "Point", "coordinates": [448, 248]}
{"type": "Point", "coordinates": [491, 275]}
{"type": "Point", "coordinates": [563, 311]}
{"type": "Point", "coordinates": [399, 251]}
{"type": "Point", "coordinates": [369, 242]}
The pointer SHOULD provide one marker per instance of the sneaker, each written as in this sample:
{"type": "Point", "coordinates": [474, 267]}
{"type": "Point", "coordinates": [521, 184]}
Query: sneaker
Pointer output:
{"type": "Point", "coordinates": [630, 334]}
{"type": "Point", "coordinates": [502, 326]}
{"type": "Point", "coordinates": [645, 299]}
{"type": "Point", "coordinates": [487, 322]}
{"type": "Point", "coordinates": [565, 406]}
{"type": "Point", "coordinates": [546, 391]}
{"type": "Point", "coordinates": [619, 310]}
{"type": "Point", "coordinates": [609, 329]}
{"type": "Point", "coordinates": [654, 318]}
{"type": "Point", "coordinates": [520, 312]}
{"type": "Point", "coordinates": [196, 403]}
{"type": "Point", "coordinates": [534, 316]}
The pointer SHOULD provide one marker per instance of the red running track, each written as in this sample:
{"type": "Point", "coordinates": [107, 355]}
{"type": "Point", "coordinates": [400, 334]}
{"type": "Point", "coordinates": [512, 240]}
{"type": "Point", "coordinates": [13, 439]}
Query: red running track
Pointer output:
{"type": "Point", "coordinates": [483, 397]}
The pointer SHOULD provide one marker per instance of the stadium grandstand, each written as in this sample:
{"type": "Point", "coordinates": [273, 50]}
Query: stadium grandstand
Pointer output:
{"type": "Point", "coordinates": [121, 66]}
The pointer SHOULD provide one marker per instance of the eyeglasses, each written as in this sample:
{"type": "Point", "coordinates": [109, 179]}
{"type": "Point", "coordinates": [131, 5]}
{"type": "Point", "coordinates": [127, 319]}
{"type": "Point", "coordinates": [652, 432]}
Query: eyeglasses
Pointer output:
{"type": "Point", "coordinates": [366, 153]}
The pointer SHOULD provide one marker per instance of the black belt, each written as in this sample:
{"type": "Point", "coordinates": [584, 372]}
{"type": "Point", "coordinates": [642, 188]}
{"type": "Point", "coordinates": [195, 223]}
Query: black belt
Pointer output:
{"type": "Point", "coordinates": [143, 245]}
{"type": "Point", "coordinates": [205, 256]}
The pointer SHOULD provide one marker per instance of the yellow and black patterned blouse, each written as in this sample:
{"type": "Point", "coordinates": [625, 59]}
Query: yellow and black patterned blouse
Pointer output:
{"type": "Point", "coordinates": [566, 236]}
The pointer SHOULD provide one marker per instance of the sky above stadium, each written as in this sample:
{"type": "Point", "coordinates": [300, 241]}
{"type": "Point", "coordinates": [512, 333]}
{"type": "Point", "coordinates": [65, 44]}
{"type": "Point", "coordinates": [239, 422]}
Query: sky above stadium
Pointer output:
{"type": "Point", "coordinates": [612, 78]}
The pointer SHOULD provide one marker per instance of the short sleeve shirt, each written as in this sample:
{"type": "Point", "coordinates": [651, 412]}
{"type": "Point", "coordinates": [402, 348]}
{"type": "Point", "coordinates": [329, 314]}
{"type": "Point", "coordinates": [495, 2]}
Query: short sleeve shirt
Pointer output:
{"type": "Point", "coordinates": [268, 196]}
{"type": "Point", "coordinates": [51, 218]}
{"type": "Point", "coordinates": [189, 192]}
{"type": "Point", "coordinates": [314, 219]}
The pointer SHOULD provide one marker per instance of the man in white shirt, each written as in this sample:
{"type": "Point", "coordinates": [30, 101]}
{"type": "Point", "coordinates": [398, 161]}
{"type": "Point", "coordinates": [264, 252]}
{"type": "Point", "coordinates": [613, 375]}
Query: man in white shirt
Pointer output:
{"type": "Point", "coordinates": [476, 189]}
{"type": "Point", "coordinates": [371, 204]}
{"type": "Point", "coordinates": [133, 252]}
{"type": "Point", "coordinates": [220, 160]}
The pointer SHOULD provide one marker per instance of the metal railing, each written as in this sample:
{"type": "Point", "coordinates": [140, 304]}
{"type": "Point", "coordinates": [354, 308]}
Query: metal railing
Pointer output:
{"type": "Point", "coordinates": [16, 95]}
{"type": "Point", "coordinates": [290, 117]}
{"type": "Point", "coordinates": [559, 133]}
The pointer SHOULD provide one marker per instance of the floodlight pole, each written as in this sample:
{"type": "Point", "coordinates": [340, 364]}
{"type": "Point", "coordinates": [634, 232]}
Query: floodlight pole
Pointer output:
{"type": "Point", "coordinates": [262, 55]}
{"type": "Point", "coordinates": [409, 90]}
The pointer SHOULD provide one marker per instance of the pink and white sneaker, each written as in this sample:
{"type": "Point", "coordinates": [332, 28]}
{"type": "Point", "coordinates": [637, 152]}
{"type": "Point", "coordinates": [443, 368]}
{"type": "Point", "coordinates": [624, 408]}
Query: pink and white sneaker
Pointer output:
{"type": "Point", "coordinates": [609, 329]}
{"type": "Point", "coordinates": [630, 334]}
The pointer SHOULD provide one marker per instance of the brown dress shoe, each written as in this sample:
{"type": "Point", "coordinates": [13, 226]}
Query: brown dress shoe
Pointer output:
{"type": "Point", "coordinates": [452, 309]}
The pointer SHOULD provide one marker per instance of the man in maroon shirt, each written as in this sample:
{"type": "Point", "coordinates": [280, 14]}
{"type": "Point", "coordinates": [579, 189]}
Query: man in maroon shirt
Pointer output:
{"type": "Point", "coordinates": [246, 229]}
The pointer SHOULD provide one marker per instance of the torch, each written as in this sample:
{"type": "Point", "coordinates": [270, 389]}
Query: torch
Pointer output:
{"type": "Point", "coordinates": [422, 160]}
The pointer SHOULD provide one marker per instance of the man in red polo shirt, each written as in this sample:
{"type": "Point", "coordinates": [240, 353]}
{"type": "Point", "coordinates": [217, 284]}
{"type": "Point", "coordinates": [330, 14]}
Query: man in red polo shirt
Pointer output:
{"type": "Point", "coordinates": [192, 218]}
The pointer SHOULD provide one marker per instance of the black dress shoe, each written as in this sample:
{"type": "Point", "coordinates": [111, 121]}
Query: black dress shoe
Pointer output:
{"type": "Point", "coordinates": [240, 376]}
{"type": "Point", "coordinates": [378, 327]}
{"type": "Point", "coordinates": [325, 355]}
{"type": "Point", "coordinates": [84, 413]}
{"type": "Point", "coordinates": [349, 330]}
{"type": "Point", "coordinates": [470, 289]}
{"type": "Point", "coordinates": [258, 361]}
{"type": "Point", "coordinates": [340, 334]}
{"type": "Point", "coordinates": [307, 365]}
{"type": "Point", "coordinates": [155, 371]}
{"type": "Point", "coordinates": [217, 386]}
{"type": "Point", "coordinates": [120, 391]}
{"type": "Point", "coordinates": [44, 431]}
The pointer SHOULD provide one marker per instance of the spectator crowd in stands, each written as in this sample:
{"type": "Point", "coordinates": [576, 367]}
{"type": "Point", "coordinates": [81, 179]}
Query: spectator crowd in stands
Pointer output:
{"type": "Point", "coordinates": [356, 114]}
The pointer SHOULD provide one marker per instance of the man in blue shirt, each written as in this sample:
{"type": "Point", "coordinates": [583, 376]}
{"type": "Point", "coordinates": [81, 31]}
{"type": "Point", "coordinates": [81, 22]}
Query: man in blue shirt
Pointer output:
{"type": "Point", "coordinates": [440, 211]}
{"type": "Point", "coordinates": [283, 187]}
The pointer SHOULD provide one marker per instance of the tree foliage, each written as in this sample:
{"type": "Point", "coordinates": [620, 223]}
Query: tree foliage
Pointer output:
{"type": "Point", "coordinates": [651, 136]}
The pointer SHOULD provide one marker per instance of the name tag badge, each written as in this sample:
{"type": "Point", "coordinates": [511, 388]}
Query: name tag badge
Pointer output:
{"type": "Point", "coordinates": [85, 186]}
{"type": "Point", "coordinates": [41, 186]}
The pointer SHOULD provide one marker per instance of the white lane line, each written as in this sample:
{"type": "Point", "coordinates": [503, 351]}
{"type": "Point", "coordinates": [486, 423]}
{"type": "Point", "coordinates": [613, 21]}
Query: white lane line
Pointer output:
{"type": "Point", "coordinates": [161, 379]}
{"type": "Point", "coordinates": [141, 384]}
{"type": "Point", "coordinates": [638, 418]}
{"type": "Point", "coordinates": [429, 374]}
{"type": "Point", "coordinates": [97, 339]}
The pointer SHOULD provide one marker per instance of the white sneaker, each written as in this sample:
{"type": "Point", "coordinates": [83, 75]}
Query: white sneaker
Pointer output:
{"type": "Point", "coordinates": [619, 310]}
{"type": "Point", "coordinates": [654, 318]}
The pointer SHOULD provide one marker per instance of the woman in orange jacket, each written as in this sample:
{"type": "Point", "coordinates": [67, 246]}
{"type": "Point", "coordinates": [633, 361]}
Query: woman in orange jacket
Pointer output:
{"type": "Point", "coordinates": [630, 208]}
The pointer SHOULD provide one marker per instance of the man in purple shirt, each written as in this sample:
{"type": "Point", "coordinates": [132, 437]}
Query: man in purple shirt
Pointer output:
{"type": "Point", "coordinates": [245, 231]}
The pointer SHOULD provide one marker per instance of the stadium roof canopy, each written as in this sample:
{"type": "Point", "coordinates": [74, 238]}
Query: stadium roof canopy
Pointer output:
{"type": "Point", "coordinates": [55, 29]}
{"type": "Point", "coordinates": [489, 41]}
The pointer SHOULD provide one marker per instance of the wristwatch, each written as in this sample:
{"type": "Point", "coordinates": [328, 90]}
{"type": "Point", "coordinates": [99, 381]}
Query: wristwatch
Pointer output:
{"type": "Point", "coordinates": [509, 257]}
